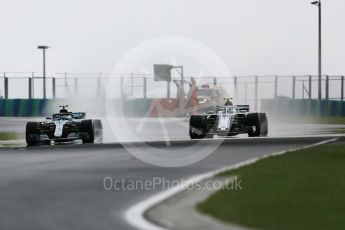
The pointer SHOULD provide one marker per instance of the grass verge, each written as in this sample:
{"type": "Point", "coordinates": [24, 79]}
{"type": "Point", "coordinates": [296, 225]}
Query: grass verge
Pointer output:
{"type": "Point", "coordinates": [299, 190]}
{"type": "Point", "coordinates": [331, 120]}
{"type": "Point", "coordinates": [310, 120]}
{"type": "Point", "coordinates": [5, 136]}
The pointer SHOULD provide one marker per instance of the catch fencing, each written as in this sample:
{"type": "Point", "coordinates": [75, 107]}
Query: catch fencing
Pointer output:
{"type": "Point", "coordinates": [244, 89]}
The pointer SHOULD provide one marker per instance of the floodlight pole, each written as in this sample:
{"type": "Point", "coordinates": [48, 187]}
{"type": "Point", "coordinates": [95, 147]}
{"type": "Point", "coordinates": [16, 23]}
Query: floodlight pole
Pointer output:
{"type": "Point", "coordinates": [318, 3]}
{"type": "Point", "coordinates": [44, 68]}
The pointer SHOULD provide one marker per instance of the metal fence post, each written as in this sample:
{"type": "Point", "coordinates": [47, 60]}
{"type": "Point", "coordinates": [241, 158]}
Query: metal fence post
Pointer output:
{"type": "Point", "coordinates": [310, 86]}
{"type": "Point", "coordinates": [275, 86]}
{"type": "Point", "coordinates": [245, 92]}
{"type": "Point", "coordinates": [65, 75]}
{"type": "Point", "coordinates": [5, 86]}
{"type": "Point", "coordinates": [168, 89]}
{"type": "Point", "coordinates": [76, 85]}
{"type": "Point", "coordinates": [303, 89]}
{"type": "Point", "coordinates": [33, 85]}
{"type": "Point", "coordinates": [256, 92]}
{"type": "Point", "coordinates": [215, 81]}
{"type": "Point", "coordinates": [342, 88]}
{"type": "Point", "coordinates": [132, 84]}
{"type": "Point", "coordinates": [99, 84]}
{"type": "Point", "coordinates": [235, 88]}
{"type": "Point", "coordinates": [66, 85]}
{"type": "Point", "coordinates": [121, 88]}
{"type": "Point", "coordinates": [327, 87]}
{"type": "Point", "coordinates": [145, 87]}
{"type": "Point", "coordinates": [29, 88]}
{"type": "Point", "coordinates": [54, 87]}
{"type": "Point", "coordinates": [293, 87]}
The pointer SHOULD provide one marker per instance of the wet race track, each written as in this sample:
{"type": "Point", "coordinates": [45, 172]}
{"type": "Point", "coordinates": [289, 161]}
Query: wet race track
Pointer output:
{"type": "Point", "coordinates": [62, 186]}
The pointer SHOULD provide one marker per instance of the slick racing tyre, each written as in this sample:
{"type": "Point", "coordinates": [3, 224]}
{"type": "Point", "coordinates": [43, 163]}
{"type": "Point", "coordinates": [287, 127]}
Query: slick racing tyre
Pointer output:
{"type": "Point", "coordinates": [98, 131]}
{"type": "Point", "coordinates": [32, 133]}
{"type": "Point", "coordinates": [260, 124]}
{"type": "Point", "coordinates": [92, 130]}
{"type": "Point", "coordinates": [87, 131]}
{"type": "Point", "coordinates": [196, 127]}
{"type": "Point", "coordinates": [263, 124]}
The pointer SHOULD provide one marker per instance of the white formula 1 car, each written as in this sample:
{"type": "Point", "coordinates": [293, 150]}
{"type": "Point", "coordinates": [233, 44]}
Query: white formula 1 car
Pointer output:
{"type": "Point", "coordinates": [64, 126]}
{"type": "Point", "coordinates": [228, 121]}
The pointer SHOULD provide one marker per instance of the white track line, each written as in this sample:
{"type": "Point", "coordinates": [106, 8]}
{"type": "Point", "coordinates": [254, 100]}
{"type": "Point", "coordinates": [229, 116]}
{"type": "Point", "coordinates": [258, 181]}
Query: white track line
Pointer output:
{"type": "Point", "coordinates": [235, 138]}
{"type": "Point", "coordinates": [135, 214]}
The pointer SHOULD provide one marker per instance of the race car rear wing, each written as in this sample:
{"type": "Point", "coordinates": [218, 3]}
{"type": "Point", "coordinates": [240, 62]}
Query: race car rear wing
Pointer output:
{"type": "Point", "coordinates": [243, 108]}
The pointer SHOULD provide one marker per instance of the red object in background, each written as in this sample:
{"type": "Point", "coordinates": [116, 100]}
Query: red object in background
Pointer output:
{"type": "Point", "coordinates": [194, 97]}
{"type": "Point", "coordinates": [163, 107]}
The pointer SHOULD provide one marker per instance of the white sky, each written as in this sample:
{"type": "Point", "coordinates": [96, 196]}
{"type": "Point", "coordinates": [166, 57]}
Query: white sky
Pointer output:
{"type": "Point", "coordinates": [251, 36]}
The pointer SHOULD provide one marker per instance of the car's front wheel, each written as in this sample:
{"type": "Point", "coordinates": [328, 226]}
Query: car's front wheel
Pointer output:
{"type": "Point", "coordinates": [32, 133]}
{"type": "Point", "coordinates": [87, 130]}
{"type": "Point", "coordinates": [92, 130]}
{"type": "Point", "coordinates": [98, 131]}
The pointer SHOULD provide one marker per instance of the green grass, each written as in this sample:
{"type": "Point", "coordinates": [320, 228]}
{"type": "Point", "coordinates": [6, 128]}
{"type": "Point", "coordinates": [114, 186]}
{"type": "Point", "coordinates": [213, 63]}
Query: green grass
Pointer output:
{"type": "Point", "coordinates": [299, 190]}
{"type": "Point", "coordinates": [310, 120]}
{"type": "Point", "coordinates": [331, 120]}
{"type": "Point", "coordinates": [4, 136]}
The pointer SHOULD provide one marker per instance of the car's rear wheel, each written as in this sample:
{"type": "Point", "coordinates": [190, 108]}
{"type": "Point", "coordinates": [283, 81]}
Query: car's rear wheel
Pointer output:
{"type": "Point", "coordinates": [258, 124]}
{"type": "Point", "coordinates": [92, 131]}
{"type": "Point", "coordinates": [263, 125]}
{"type": "Point", "coordinates": [87, 130]}
{"type": "Point", "coordinates": [193, 135]}
{"type": "Point", "coordinates": [32, 133]}
{"type": "Point", "coordinates": [196, 127]}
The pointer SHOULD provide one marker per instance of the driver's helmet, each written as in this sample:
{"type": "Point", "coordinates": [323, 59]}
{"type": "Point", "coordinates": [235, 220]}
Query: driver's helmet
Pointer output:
{"type": "Point", "coordinates": [63, 110]}
{"type": "Point", "coordinates": [228, 102]}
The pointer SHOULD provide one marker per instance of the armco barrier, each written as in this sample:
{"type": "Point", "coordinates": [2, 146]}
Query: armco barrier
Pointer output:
{"type": "Point", "coordinates": [22, 107]}
{"type": "Point", "coordinates": [301, 107]}
{"type": "Point", "coordinates": [148, 107]}
{"type": "Point", "coordinates": [144, 107]}
{"type": "Point", "coordinates": [137, 107]}
{"type": "Point", "coordinates": [45, 107]}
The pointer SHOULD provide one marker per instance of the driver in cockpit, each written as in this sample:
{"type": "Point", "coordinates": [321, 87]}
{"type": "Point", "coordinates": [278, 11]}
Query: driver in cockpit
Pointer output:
{"type": "Point", "coordinates": [63, 110]}
{"type": "Point", "coordinates": [228, 102]}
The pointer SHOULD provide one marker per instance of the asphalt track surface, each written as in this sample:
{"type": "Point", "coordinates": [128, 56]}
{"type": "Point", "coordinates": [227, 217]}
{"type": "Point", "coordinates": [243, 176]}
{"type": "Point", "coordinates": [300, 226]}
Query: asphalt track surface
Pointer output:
{"type": "Point", "coordinates": [176, 128]}
{"type": "Point", "coordinates": [61, 187]}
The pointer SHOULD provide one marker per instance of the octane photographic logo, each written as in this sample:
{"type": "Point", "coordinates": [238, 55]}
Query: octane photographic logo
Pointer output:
{"type": "Point", "coordinates": [132, 132]}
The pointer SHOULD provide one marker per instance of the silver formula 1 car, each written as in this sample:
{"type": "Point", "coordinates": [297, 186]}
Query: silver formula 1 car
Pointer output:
{"type": "Point", "coordinates": [62, 127]}
{"type": "Point", "coordinates": [228, 121]}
